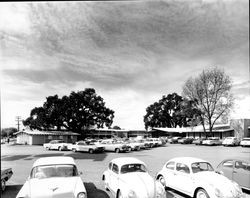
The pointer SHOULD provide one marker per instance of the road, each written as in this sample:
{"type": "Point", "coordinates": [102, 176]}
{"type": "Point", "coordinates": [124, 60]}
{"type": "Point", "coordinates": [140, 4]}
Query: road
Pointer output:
{"type": "Point", "coordinates": [21, 157]}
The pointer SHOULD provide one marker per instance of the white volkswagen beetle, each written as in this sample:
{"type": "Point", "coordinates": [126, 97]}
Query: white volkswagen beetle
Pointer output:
{"type": "Point", "coordinates": [197, 178]}
{"type": "Point", "coordinates": [53, 177]}
{"type": "Point", "coordinates": [128, 177]}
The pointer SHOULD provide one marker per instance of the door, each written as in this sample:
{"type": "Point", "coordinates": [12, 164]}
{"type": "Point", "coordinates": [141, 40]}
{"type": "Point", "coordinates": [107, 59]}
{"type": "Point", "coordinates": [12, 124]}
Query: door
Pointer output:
{"type": "Point", "coordinates": [169, 174]}
{"type": "Point", "coordinates": [241, 173]}
{"type": "Point", "coordinates": [81, 146]}
{"type": "Point", "coordinates": [183, 178]}
{"type": "Point", "coordinates": [227, 169]}
{"type": "Point", "coordinates": [114, 178]}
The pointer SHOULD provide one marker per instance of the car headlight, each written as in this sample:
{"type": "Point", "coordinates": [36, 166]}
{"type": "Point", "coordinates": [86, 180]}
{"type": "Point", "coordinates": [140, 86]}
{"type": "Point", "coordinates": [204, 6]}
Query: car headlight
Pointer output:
{"type": "Point", "coordinates": [131, 194]}
{"type": "Point", "coordinates": [81, 195]}
{"type": "Point", "coordinates": [218, 193]}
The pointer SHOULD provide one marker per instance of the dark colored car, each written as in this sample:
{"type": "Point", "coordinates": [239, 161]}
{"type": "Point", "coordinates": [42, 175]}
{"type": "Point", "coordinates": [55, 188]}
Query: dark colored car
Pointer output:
{"type": "Point", "coordinates": [186, 140]}
{"type": "Point", "coordinates": [174, 140]}
{"type": "Point", "coordinates": [237, 170]}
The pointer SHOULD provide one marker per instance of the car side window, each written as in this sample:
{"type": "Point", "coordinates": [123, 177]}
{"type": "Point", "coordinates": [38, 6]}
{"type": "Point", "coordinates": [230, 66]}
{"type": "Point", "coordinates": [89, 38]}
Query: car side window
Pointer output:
{"type": "Point", "coordinates": [115, 168]}
{"type": "Point", "coordinates": [110, 165]}
{"type": "Point", "coordinates": [170, 165]}
{"type": "Point", "coordinates": [182, 168]}
{"type": "Point", "coordinates": [242, 165]}
{"type": "Point", "coordinates": [228, 164]}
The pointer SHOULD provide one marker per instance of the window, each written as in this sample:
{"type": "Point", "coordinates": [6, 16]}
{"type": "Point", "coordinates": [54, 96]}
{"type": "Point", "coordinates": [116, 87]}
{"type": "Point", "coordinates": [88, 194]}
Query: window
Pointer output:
{"type": "Point", "coordinates": [201, 166]}
{"type": "Point", "coordinates": [228, 164]}
{"type": "Point", "coordinates": [115, 168]}
{"type": "Point", "coordinates": [242, 165]}
{"type": "Point", "coordinates": [182, 168]}
{"type": "Point", "coordinates": [128, 168]}
{"type": "Point", "coordinates": [170, 165]}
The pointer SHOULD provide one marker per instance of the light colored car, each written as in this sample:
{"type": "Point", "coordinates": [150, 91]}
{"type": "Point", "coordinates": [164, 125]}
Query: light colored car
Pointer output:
{"type": "Point", "coordinates": [143, 143]}
{"type": "Point", "coordinates": [53, 177]}
{"type": "Point", "coordinates": [128, 177]}
{"type": "Point", "coordinates": [174, 140]}
{"type": "Point", "coordinates": [197, 178]}
{"type": "Point", "coordinates": [57, 145]}
{"type": "Point", "coordinates": [237, 170]}
{"type": "Point", "coordinates": [212, 141]}
{"type": "Point", "coordinates": [245, 142]}
{"type": "Point", "coordinates": [6, 174]}
{"type": "Point", "coordinates": [135, 146]}
{"type": "Point", "coordinates": [83, 146]}
{"type": "Point", "coordinates": [230, 141]}
{"type": "Point", "coordinates": [198, 141]}
{"type": "Point", "coordinates": [112, 145]}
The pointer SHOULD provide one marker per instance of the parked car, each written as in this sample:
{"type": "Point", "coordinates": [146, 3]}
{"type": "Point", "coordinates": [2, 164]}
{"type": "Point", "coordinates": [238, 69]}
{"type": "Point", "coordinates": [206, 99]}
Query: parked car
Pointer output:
{"type": "Point", "coordinates": [6, 174]}
{"type": "Point", "coordinates": [152, 142]}
{"type": "Point", "coordinates": [212, 141]}
{"type": "Point", "coordinates": [90, 147]}
{"type": "Point", "coordinates": [185, 140]}
{"type": "Point", "coordinates": [197, 178]}
{"type": "Point", "coordinates": [128, 177]}
{"type": "Point", "coordinates": [135, 146]}
{"type": "Point", "coordinates": [245, 142]}
{"type": "Point", "coordinates": [57, 145]}
{"type": "Point", "coordinates": [237, 170]}
{"type": "Point", "coordinates": [198, 141]}
{"type": "Point", "coordinates": [144, 144]}
{"type": "Point", "coordinates": [231, 141]}
{"type": "Point", "coordinates": [112, 145]}
{"type": "Point", "coordinates": [53, 177]}
{"type": "Point", "coordinates": [174, 140]}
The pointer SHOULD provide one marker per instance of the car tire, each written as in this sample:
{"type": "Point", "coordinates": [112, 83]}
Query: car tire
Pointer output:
{"type": "Point", "coordinates": [59, 148]}
{"type": "Point", "coordinates": [74, 150]}
{"type": "Point", "coordinates": [201, 193]}
{"type": "Point", "coordinates": [91, 151]}
{"type": "Point", "coordinates": [129, 149]}
{"type": "Point", "coordinates": [117, 150]}
{"type": "Point", "coordinates": [138, 148]}
{"type": "Point", "coordinates": [3, 184]}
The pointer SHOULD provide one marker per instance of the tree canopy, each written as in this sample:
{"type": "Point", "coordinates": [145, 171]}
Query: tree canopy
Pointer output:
{"type": "Point", "coordinates": [8, 131]}
{"type": "Point", "coordinates": [212, 96]}
{"type": "Point", "coordinates": [170, 111]}
{"type": "Point", "coordinates": [77, 112]}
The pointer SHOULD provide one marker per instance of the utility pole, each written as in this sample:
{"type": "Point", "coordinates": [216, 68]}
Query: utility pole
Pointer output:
{"type": "Point", "coordinates": [18, 119]}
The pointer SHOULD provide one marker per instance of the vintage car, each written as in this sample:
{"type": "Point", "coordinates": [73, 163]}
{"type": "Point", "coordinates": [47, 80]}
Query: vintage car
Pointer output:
{"type": "Point", "coordinates": [53, 177]}
{"type": "Point", "coordinates": [84, 146]}
{"type": "Point", "coordinates": [174, 140]}
{"type": "Point", "coordinates": [198, 141]}
{"type": "Point", "coordinates": [143, 143]}
{"type": "Point", "coordinates": [231, 141]}
{"type": "Point", "coordinates": [212, 141]}
{"type": "Point", "coordinates": [128, 177]}
{"type": "Point", "coordinates": [135, 146]}
{"type": "Point", "coordinates": [185, 140]}
{"type": "Point", "coordinates": [57, 145]}
{"type": "Point", "coordinates": [236, 169]}
{"type": "Point", "coordinates": [113, 145]}
{"type": "Point", "coordinates": [245, 142]}
{"type": "Point", "coordinates": [197, 178]}
{"type": "Point", "coordinates": [6, 174]}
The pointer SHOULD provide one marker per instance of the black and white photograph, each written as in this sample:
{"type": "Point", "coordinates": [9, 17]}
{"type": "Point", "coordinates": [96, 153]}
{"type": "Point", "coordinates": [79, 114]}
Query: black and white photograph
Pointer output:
{"type": "Point", "coordinates": [125, 99]}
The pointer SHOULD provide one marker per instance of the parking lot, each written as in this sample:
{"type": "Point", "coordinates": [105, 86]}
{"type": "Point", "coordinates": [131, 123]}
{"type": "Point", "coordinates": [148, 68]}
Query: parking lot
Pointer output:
{"type": "Point", "coordinates": [21, 157]}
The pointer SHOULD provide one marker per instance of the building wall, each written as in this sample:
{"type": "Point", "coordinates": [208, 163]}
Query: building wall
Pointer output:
{"type": "Point", "coordinates": [23, 138]}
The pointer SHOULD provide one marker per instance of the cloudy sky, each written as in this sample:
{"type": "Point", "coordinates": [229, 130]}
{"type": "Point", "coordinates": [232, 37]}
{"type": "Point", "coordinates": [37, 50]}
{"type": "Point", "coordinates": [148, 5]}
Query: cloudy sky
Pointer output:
{"type": "Point", "coordinates": [131, 52]}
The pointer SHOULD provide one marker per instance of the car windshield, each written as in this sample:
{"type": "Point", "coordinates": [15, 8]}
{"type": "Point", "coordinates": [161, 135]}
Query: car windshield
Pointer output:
{"type": "Point", "coordinates": [48, 171]}
{"type": "Point", "coordinates": [128, 168]}
{"type": "Point", "coordinates": [246, 139]}
{"type": "Point", "coordinates": [201, 166]}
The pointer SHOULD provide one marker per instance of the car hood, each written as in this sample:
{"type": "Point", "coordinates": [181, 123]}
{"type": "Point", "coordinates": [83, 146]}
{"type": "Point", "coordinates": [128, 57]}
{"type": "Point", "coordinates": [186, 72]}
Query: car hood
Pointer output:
{"type": "Point", "coordinates": [141, 183]}
{"type": "Point", "coordinates": [226, 186]}
{"type": "Point", "coordinates": [63, 187]}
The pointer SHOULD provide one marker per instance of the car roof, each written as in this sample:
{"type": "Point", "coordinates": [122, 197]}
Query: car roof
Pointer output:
{"type": "Point", "coordinates": [127, 160]}
{"type": "Point", "coordinates": [187, 160]}
{"type": "Point", "coordinates": [53, 161]}
{"type": "Point", "coordinates": [238, 158]}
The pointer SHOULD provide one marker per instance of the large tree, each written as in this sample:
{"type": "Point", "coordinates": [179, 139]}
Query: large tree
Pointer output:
{"type": "Point", "coordinates": [165, 112]}
{"type": "Point", "coordinates": [77, 112]}
{"type": "Point", "coordinates": [212, 92]}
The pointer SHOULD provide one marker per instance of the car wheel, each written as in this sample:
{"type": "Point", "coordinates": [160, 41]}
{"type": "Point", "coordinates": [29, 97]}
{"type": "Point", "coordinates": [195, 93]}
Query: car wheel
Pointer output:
{"type": "Point", "coordinates": [91, 151]}
{"type": "Point", "coordinates": [201, 193]}
{"type": "Point", "coordinates": [59, 148]}
{"type": "Point", "coordinates": [129, 149]}
{"type": "Point", "coordinates": [74, 150]}
{"type": "Point", "coordinates": [117, 150]}
{"type": "Point", "coordinates": [3, 184]}
{"type": "Point", "coordinates": [138, 148]}
{"type": "Point", "coordinates": [162, 180]}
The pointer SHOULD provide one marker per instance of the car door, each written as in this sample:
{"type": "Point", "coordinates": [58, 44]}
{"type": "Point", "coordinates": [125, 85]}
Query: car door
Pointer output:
{"type": "Point", "coordinates": [183, 178]}
{"type": "Point", "coordinates": [169, 174]}
{"type": "Point", "coordinates": [241, 173]}
{"type": "Point", "coordinates": [114, 178]}
{"type": "Point", "coordinates": [81, 146]}
{"type": "Point", "coordinates": [227, 168]}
